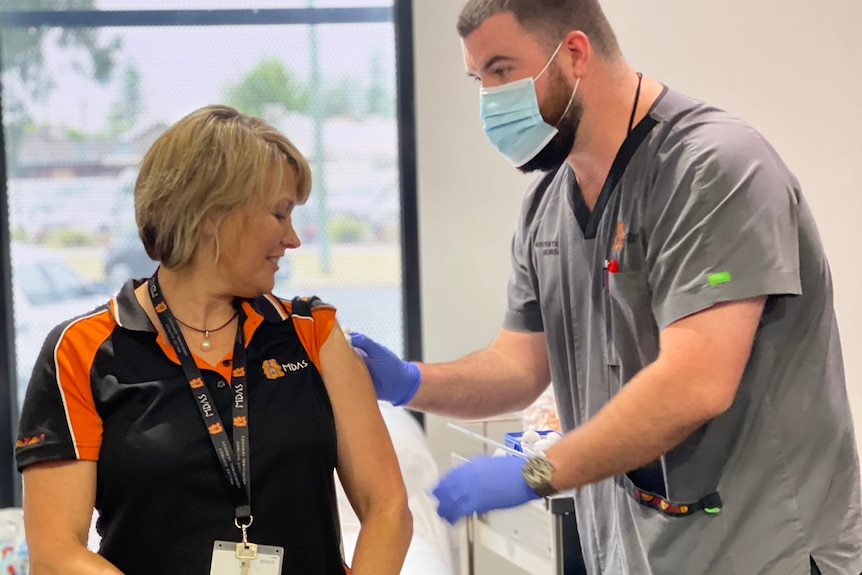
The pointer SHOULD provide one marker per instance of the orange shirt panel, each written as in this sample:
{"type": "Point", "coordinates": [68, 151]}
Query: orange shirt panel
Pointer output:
{"type": "Point", "coordinates": [74, 356]}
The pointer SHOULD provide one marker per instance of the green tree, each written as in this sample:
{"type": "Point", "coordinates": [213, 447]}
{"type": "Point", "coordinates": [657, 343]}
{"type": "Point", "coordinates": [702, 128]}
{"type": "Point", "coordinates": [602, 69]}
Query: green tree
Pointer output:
{"type": "Point", "coordinates": [378, 100]}
{"type": "Point", "coordinates": [127, 108]}
{"type": "Point", "coordinates": [25, 79]}
{"type": "Point", "coordinates": [268, 84]}
{"type": "Point", "coordinates": [340, 99]}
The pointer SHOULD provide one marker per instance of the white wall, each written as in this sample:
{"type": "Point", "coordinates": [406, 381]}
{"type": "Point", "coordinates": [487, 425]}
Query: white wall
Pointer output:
{"type": "Point", "coordinates": [791, 70]}
{"type": "Point", "coordinates": [468, 202]}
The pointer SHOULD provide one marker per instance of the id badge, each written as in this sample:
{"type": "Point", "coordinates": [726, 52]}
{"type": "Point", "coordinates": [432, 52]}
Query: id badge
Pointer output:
{"type": "Point", "coordinates": [225, 560]}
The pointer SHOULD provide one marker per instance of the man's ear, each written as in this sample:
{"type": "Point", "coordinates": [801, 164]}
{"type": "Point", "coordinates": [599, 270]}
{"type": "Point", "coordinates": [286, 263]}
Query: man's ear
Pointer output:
{"type": "Point", "coordinates": [577, 45]}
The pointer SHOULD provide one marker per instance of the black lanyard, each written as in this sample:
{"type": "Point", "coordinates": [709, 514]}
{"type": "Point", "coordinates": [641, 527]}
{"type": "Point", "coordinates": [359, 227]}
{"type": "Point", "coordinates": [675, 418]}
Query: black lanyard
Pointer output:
{"type": "Point", "coordinates": [234, 458]}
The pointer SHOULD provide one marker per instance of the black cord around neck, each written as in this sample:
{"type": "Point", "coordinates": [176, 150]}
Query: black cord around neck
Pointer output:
{"type": "Point", "coordinates": [635, 107]}
{"type": "Point", "coordinates": [207, 331]}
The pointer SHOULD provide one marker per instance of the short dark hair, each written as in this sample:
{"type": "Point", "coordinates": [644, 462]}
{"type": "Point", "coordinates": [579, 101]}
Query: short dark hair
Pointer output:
{"type": "Point", "coordinates": [549, 20]}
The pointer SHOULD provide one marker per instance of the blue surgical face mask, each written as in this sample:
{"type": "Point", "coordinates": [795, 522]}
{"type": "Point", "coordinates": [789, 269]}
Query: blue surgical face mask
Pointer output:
{"type": "Point", "coordinates": [512, 120]}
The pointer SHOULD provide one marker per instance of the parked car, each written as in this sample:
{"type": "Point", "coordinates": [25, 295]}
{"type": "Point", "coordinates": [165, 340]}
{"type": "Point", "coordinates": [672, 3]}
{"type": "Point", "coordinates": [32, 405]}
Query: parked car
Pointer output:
{"type": "Point", "coordinates": [46, 291]}
{"type": "Point", "coordinates": [126, 258]}
{"type": "Point", "coordinates": [376, 204]}
{"type": "Point", "coordinates": [87, 205]}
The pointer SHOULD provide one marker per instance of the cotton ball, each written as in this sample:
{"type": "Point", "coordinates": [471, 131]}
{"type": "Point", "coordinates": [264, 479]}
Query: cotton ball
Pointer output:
{"type": "Point", "coordinates": [499, 452]}
{"type": "Point", "coordinates": [530, 437]}
{"type": "Point", "coordinates": [346, 331]}
{"type": "Point", "coordinates": [553, 438]}
{"type": "Point", "coordinates": [542, 445]}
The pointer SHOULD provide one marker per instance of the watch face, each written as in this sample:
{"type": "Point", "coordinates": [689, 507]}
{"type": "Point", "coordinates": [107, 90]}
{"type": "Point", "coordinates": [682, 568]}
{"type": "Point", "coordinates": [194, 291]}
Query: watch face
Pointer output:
{"type": "Point", "coordinates": [532, 472]}
{"type": "Point", "coordinates": [537, 472]}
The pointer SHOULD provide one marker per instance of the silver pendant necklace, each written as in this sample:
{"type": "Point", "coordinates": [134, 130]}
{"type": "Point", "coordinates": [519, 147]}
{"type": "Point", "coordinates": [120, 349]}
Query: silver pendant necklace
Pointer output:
{"type": "Point", "coordinates": [205, 344]}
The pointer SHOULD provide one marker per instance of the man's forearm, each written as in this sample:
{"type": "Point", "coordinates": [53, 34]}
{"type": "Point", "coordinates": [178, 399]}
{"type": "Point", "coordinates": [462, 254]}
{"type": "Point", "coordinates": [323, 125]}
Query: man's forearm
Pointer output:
{"type": "Point", "coordinates": [629, 431]}
{"type": "Point", "coordinates": [482, 384]}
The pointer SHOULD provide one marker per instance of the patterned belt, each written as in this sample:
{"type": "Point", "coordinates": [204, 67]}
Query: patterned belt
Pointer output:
{"type": "Point", "coordinates": [710, 504]}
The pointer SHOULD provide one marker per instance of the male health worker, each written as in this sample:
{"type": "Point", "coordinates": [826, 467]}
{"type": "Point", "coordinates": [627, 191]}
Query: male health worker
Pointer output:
{"type": "Point", "coordinates": [668, 278]}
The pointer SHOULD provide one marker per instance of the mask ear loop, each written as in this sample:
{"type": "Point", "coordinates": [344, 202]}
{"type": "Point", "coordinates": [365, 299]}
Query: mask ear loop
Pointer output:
{"type": "Point", "coordinates": [577, 82]}
{"type": "Point", "coordinates": [571, 99]}
{"type": "Point", "coordinates": [554, 55]}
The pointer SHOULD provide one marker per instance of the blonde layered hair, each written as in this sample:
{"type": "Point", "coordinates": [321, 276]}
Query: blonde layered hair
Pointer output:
{"type": "Point", "coordinates": [210, 164]}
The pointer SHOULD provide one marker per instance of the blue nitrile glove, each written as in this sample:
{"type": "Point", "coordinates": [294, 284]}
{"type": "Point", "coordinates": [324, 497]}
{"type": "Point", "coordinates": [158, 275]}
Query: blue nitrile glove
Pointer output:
{"type": "Point", "coordinates": [481, 485]}
{"type": "Point", "coordinates": [395, 380]}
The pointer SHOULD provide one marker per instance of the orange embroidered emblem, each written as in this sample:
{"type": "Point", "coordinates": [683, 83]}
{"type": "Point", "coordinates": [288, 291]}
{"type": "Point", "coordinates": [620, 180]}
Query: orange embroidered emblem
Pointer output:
{"type": "Point", "coordinates": [30, 440]}
{"type": "Point", "coordinates": [619, 237]}
{"type": "Point", "coordinates": [272, 369]}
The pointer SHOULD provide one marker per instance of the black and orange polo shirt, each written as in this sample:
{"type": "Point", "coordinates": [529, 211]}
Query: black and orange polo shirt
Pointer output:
{"type": "Point", "coordinates": [108, 388]}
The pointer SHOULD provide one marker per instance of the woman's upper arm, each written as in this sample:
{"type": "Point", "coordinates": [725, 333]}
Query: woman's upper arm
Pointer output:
{"type": "Point", "coordinates": [59, 497]}
{"type": "Point", "coordinates": [367, 464]}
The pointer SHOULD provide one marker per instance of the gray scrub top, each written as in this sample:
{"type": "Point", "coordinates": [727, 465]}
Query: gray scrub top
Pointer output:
{"type": "Point", "coordinates": [698, 209]}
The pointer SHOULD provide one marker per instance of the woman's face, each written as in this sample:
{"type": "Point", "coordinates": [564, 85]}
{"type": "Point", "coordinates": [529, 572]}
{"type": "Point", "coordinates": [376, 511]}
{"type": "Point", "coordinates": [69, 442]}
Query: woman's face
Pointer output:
{"type": "Point", "coordinates": [253, 240]}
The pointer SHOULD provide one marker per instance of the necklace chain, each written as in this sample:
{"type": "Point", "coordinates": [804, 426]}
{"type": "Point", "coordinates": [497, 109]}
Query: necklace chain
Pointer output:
{"type": "Point", "coordinates": [205, 344]}
{"type": "Point", "coordinates": [205, 331]}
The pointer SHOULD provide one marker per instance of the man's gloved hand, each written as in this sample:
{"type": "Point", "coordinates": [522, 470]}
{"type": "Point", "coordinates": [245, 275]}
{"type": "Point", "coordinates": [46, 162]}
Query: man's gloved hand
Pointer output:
{"type": "Point", "coordinates": [395, 380]}
{"type": "Point", "coordinates": [481, 485]}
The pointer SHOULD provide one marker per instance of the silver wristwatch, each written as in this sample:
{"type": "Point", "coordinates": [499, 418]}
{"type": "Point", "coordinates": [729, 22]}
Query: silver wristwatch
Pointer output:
{"type": "Point", "coordinates": [537, 472]}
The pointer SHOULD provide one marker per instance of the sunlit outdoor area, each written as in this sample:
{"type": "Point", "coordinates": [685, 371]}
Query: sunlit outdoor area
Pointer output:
{"type": "Point", "coordinates": [81, 105]}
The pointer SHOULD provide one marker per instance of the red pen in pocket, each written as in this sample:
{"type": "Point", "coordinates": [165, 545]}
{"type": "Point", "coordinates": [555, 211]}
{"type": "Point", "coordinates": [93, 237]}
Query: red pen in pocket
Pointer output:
{"type": "Point", "coordinates": [611, 267]}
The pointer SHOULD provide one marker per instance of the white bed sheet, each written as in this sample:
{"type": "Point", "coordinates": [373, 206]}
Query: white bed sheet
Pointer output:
{"type": "Point", "coordinates": [433, 549]}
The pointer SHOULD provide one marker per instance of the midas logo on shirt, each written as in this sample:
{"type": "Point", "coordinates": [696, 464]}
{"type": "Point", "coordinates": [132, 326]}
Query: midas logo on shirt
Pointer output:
{"type": "Point", "coordinates": [295, 366]}
{"type": "Point", "coordinates": [273, 370]}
